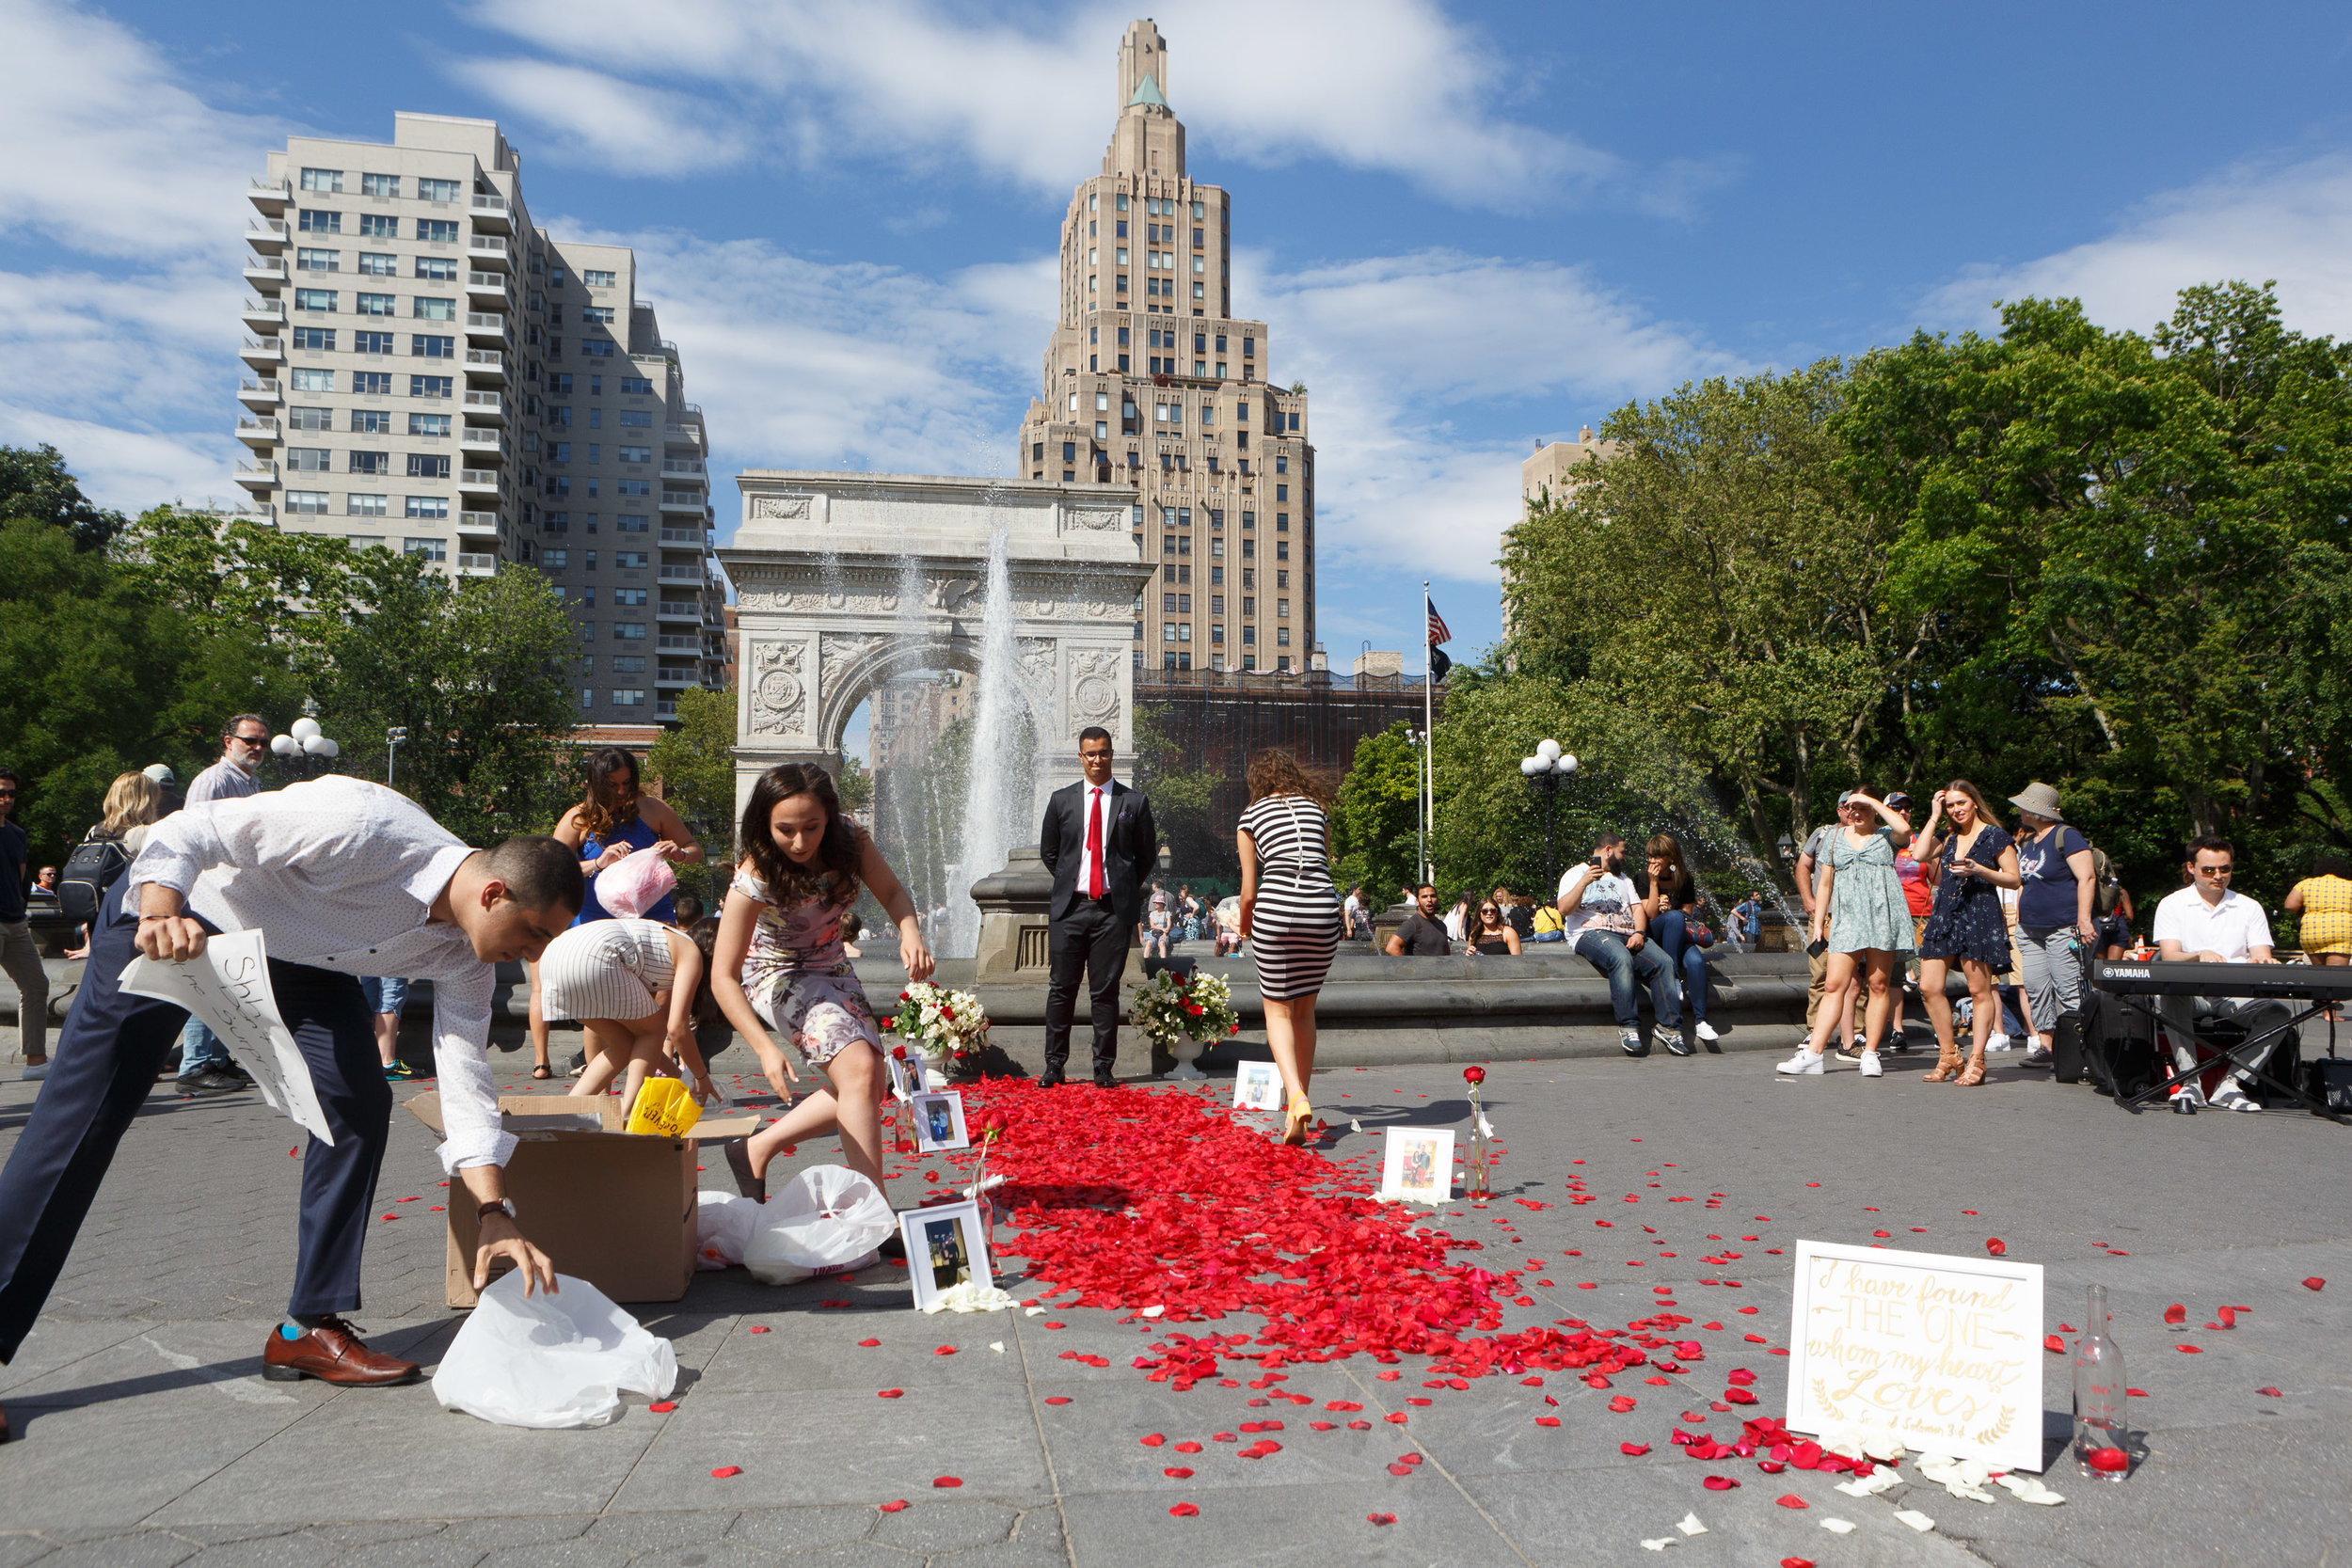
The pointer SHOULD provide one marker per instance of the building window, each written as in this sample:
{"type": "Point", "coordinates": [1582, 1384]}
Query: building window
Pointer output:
{"type": "Point", "coordinates": [629, 561]}
{"type": "Point", "coordinates": [306, 502]}
{"type": "Point", "coordinates": [628, 595]}
{"type": "Point", "coordinates": [428, 465]}
{"type": "Point", "coordinates": [309, 460]}
{"type": "Point", "coordinates": [314, 299]}
{"type": "Point", "coordinates": [629, 522]}
{"type": "Point", "coordinates": [423, 347]}
{"type": "Point", "coordinates": [312, 221]}
{"type": "Point", "coordinates": [313, 419]}
{"type": "Point", "coordinates": [432, 550]}
{"type": "Point", "coordinates": [591, 278]}
{"type": "Point", "coordinates": [357, 505]}
{"type": "Point", "coordinates": [633, 418]}
{"type": "Point", "coordinates": [628, 632]}
{"type": "Point", "coordinates": [554, 558]}
{"type": "Point", "coordinates": [430, 386]}
{"type": "Point", "coordinates": [427, 506]}
{"type": "Point", "coordinates": [378, 225]}
{"type": "Point", "coordinates": [437, 190]}
{"type": "Point", "coordinates": [432, 309]}
{"type": "Point", "coordinates": [437, 231]}
{"type": "Point", "coordinates": [371, 463]}
{"type": "Point", "coordinates": [310, 259]}
{"type": "Point", "coordinates": [375, 305]}
{"type": "Point", "coordinates": [428, 424]}
{"type": "Point", "coordinates": [370, 343]}
{"type": "Point", "coordinates": [596, 348]}
{"type": "Point", "coordinates": [379, 184]}
{"type": "Point", "coordinates": [379, 263]}
{"type": "Point", "coordinates": [438, 269]}
{"type": "Point", "coordinates": [314, 381]}
{"type": "Point", "coordinates": [635, 454]}
{"type": "Point", "coordinates": [631, 385]}
{"type": "Point", "coordinates": [328, 180]}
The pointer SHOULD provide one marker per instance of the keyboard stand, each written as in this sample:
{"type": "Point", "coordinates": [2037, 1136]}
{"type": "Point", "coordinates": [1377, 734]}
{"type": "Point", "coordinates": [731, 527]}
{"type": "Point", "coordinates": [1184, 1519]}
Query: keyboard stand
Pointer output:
{"type": "Point", "coordinates": [2231, 1055]}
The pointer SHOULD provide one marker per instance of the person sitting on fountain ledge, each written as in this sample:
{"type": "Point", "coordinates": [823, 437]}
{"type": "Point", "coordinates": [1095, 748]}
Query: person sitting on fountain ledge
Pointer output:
{"type": "Point", "coordinates": [1098, 841]}
{"type": "Point", "coordinates": [1601, 908]}
{"type": "Point", "coordinates": [1423, 934]}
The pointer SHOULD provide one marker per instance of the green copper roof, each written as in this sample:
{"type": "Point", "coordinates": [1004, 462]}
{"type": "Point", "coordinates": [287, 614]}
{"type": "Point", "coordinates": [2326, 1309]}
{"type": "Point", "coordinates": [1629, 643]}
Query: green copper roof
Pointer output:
{"type": "Point", "coordinates": [1148, 92]}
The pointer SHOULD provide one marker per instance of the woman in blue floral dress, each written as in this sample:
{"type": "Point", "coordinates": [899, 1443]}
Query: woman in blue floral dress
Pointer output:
{"type": "Point", "coordinates": [1971, 859]}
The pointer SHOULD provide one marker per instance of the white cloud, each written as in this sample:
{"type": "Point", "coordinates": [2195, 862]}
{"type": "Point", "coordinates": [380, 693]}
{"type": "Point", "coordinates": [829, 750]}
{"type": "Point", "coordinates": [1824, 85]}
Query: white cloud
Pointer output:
{"type": "Point", "coordinates": [1393, 85]}
{"type": "Point", "coordinates": [625, 127]}
{"type": "Point", "coordinates": [2290, 222]}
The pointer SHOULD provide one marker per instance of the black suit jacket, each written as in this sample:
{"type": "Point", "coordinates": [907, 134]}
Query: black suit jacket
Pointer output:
{"type": "Point", "coordinates": [1130, 849]}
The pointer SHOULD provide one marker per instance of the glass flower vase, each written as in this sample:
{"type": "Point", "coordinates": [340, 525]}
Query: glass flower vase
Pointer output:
{"type": "Point", "coordinates": [2101, 1397]}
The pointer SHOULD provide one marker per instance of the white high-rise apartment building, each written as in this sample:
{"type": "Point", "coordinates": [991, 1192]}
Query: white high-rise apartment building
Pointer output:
{"type": "Point", "coordinates": [434, 374]}
{"type": "Point", "coordinates": [1152, 385]}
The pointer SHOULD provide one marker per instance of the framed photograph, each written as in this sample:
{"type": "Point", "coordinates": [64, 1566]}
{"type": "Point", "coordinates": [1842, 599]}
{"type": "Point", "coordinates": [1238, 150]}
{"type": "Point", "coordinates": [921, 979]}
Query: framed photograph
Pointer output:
{"type": "Point", "coordinates": [1258, 1086]}
{"type": "Point", "coordinates": [1419, 1167]}
{"type": "Point", "coordinates": [938, 1120]}
{"type": "Point", "coordinates": [906, 1078]}
{"type": "Point", "coordinates": [945, 1246]}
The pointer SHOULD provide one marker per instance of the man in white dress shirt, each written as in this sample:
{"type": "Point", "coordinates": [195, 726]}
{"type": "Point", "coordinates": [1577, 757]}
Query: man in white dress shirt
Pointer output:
{"type": "Point", "coordinates": [345, 879]}
{"type": "Point", "coordinates": [205, 1065]}
{"type": "Point", "coordinates": [1098, 841]}
{"type": "Point", "coordinates": [2208, 922]}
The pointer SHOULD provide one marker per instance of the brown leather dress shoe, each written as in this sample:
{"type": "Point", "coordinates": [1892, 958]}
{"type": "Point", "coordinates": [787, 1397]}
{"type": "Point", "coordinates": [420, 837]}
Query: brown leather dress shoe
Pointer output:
{"type": "Point", "coordinates": [332, 1354]}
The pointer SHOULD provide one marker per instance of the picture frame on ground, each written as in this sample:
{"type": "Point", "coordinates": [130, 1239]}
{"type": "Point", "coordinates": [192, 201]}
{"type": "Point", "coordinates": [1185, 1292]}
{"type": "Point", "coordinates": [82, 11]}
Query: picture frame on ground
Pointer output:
{"type": "Point", "coordinates": [1418, 1167]}
{"type": "Point", "coordinates": [1258, 1086]}
{"type": "Point", "coordinates": [938, 1120]}
{"type": "Point", "coordinates": [945, 1246]}
{"type": "Point", "coordinates": [906, 1077]}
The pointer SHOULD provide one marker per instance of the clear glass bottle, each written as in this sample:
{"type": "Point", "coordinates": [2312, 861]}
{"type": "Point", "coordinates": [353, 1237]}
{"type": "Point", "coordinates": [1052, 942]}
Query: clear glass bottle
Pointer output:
{"type": "Point", "coordinates": [2101, 1397]}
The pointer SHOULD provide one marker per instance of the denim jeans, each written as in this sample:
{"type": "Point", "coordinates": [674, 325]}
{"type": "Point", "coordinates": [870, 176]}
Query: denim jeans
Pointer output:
{"type": "Point", "coordinates": [1607, 952]}
{"type": "Point", "coordinates": [385, 993]}
{"type": "Point", "coordinates": [1689, 960]}
{"type": "Point", "coordinates": [199, 1048]}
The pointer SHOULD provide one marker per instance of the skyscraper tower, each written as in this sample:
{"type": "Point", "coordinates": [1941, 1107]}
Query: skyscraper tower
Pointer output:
{"type": "Point", "coordinates": [1153, 386]}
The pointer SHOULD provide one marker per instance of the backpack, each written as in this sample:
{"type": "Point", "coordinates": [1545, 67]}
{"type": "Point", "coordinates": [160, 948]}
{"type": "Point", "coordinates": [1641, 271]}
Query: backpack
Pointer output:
{"type": "Point", "coordinates": [88, 871]}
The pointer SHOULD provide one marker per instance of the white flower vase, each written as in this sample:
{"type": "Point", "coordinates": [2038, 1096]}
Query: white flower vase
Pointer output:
{"type": "Point", "coordinates": [1186, 1050]}
{"type": "Point", "coordinates": [934, 1076]}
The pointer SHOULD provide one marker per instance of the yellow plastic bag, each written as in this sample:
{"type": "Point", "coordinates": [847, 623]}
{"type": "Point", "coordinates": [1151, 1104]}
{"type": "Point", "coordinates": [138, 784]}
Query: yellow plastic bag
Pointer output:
{"type": "Point", "coordinates": [665, 1108]}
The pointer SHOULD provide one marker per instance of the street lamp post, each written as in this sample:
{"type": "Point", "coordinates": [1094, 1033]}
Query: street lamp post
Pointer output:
{"type": "Point", "coordinates": [1548, 769]}
{"type": "Point", "coordinates": [302, 750]}
{"type": "Point", "coordinates": [392, 738]}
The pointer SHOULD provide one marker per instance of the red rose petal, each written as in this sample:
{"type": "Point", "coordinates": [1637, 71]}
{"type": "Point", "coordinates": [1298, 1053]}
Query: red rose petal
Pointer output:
{"type": "Point", "coordinates": [2271, 1393]}
{"type": "Point", "coordinates": [1400, 1470]}
{"type": "Point", "coordinates": [1633, 1450]}
{"type": "Point", "coordinates": [891, 1394]}
{"type": "Point", "coordinates": [2175, 1315]}
{"type": "Point", "coordinates": [1546, 1421]}
{"type": "Point", "coordinates": [2315, 1283]}
{"type": "Point", "coordinates": [1153, 1441]}
{"type": "Point", "coordinates": [1789, 1499]}
{"type": "Point", "coordinates": [1719, 1483]}
{"type": "Point", "coordinates": [2137, 1393]}
{"type": "Point", "coordinates": [1187, 1447]}
{"type": "Point", "coordinates": [724, 1471]}
{"type": "Point", "coordinates": [1771, 1467]}
{"type": "Point", "coordinates": [1185, 1511]}
{"type": "Point", "coordinates": [945, 1349]}
{"type": "Point", "coordinates": [1324, 1426]}
{"type": "Point", "coordinates": [1359, 1426]}
{"type": "Point", "coordinates": [868, 1344]}
{"type": "Point", "coordinates": [1057, 1399]}
{"type": "Point", "coordinates": [946, 1480]}
{"type": "Point", "coordinates": [1380, 1519]}
{"type": "Point", "coordinates": [897, 1505]}
{"type": "Point", "coordinates": [2188, 1349]}
{"type": "Point", "coordinates": [1796, 1562]}
{"type": "Point", "coordinates": [1178, 1472]}
{"type": "Point", "coordinates": [1995, 1245]}
{"type": "Point", "coordinates": [2055, 1345]}
{"type": "Point", "coordinates": [663, 1408]}
{"type": "Point", "coordinates": [761, 1329]}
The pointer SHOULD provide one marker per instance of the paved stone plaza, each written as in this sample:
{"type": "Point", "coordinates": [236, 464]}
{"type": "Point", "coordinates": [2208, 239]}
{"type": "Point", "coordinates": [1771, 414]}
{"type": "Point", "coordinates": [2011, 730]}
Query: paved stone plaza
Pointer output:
{"type": "Point", "coordinates": [145, 1436]}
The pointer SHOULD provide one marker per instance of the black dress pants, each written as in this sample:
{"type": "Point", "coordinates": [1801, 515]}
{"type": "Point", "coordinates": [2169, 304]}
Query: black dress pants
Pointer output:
{"type": "Point", "coordinates": [104, 1066]}
{"type": "Point", "coordinates": [1093, 941]}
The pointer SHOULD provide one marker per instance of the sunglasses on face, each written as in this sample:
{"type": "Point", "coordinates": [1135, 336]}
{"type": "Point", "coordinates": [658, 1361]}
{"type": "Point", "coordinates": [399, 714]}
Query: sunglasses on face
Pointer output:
{"type": "Point", "coordinates": [2216, 870]}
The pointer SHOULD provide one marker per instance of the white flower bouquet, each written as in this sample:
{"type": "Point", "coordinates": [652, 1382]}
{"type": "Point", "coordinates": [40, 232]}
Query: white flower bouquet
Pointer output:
{"type": "Point", "coordinates": [944, 1025]}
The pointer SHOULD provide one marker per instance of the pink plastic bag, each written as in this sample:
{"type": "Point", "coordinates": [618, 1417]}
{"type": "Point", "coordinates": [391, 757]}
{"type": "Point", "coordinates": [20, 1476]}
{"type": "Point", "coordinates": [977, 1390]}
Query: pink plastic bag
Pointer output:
{"type": "Point", "coordinates": [635, 884]}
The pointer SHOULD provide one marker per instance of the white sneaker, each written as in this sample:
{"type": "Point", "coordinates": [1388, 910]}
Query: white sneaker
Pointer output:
{"type": "Point", "coordinates": [1707, 1031]}
{"type": "Point", "coordinates": [1805, 1063]}
{"type": "Point", "coordinates": [36, 1072]}
{"type": "Point", "coordinates": [1870, 1065]}
{"type": "Point", "coordinates": [1995, 1043]}
{"type": "Point", "coordinates": [2232, 1096]}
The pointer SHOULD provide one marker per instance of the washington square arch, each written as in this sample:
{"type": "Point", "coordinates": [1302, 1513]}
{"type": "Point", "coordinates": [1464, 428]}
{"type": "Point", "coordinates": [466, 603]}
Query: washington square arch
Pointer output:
{"type": "Point", "coordinates": [845, 582]}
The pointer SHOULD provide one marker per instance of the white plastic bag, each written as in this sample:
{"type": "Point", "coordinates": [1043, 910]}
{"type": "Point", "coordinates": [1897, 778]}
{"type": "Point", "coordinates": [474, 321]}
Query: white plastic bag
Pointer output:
{"type": "Point", "coordinates": [635, 884]}
{"type": "Point", "coordinates": [722, 1225]}
{"type": "Point", "coordinates": [550, 1361]}
{"type": "Point", "coordinates": [829, 1220]}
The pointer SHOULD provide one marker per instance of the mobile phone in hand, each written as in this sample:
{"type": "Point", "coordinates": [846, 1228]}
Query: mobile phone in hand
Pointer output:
{"type": "Point", "coordinates": [1818, 946]}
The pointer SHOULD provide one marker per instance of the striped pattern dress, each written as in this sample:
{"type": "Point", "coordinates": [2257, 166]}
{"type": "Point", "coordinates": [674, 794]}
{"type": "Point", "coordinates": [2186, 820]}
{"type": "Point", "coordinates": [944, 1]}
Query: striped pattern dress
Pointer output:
{"type": "Point", "coordinates": [607, 969]}
{"type": "Point", "coordinates": [1294, 927]}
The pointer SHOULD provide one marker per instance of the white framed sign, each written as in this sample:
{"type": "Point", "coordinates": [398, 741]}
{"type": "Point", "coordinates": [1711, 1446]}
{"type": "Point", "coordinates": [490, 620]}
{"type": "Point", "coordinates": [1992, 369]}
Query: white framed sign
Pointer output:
{"type": "Point", "coordinates": [1258, 1086]}
{"type": "Point", "coordinates": [1419, 1164]}
{"type": "Point", "coordinates": [938, 1121]}
{"type": "Point", "coordinates": [1943, 1353]}
{"type": "Point", "coordinates": [946, 1246]}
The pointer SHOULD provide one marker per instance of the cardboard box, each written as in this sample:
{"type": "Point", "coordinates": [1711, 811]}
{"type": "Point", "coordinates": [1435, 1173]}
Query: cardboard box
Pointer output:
{"type": "Point", "coordinates": [609, 1207]}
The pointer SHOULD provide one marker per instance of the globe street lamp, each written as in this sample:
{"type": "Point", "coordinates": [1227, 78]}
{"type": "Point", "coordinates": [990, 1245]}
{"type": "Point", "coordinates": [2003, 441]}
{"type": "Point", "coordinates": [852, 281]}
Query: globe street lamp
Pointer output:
{"type": "Point", "coordinates": [304, 751]}
{"type": "Point", "coordinates": [1547, 770]}
{"type": "Point", "coordinates": [392, 738]}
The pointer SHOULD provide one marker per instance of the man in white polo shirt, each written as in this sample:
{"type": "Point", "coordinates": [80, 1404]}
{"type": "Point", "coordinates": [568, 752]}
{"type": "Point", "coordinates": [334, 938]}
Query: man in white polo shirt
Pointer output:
{"type": "Point", "coordinates": [2208, 923]}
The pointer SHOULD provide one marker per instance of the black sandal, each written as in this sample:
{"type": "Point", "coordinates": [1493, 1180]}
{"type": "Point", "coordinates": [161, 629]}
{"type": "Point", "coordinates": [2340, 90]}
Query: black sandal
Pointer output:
{"type": "Point", "coordinates": [542, 1070]}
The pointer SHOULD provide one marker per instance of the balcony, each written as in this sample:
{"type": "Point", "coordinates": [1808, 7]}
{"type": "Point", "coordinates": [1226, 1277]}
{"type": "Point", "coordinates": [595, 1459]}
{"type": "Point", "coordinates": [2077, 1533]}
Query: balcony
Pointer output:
{"type": "Point", "coordinates": [261, 394]}
{"type": "Point", "coordinates": [684, 501]}
{"type": "Point", "coordinates": [692, 537]}
{"type": "Point", "coordinates": [257, 433]}
{"type": "Point", "coordinates": [676, 680]}
{"type": "Point", "coordinates": [477, 565]}
{"type": "Point", "coordinates": [488, 328]}
{"type": "Point", "coordinates": [491, 214]}
{"type": "Point", "coordinates": [681, 574]}
{"type": "Point", "coordinates": [260, 475]}
{"type": "Point", "coordinates": [684, 435]}
{"type": "Point", "coordinates": [478, 522]}
{"type": "Point", "coordinates": [676, 643]}
{"type": "Point", "coordinates": [665, 710]}
{"type": "Point", "coordinates": [486, 365]}
{"type": "Point", "coordinates": [489, 406]}
{"type": "Point", "coordinates": [266, 236]}
{"type": "Point", "coordinates": [681, 465]}
{"type": "Point", "coordinates": [262, 353]}
{"type": "Point", "coordinates": [272, 198]}
{"type": "Point", "coordinates": [677, 609]}
{"type": "Point", "coordinates": [481, 481]}
{"type": "Point", "coordinates": [265, 272]}
{"type": "Point", "coordinates": [488, 250]}
{"type": "Point", "coordinates": [489, 288]}
{"type": "Point", "coordinates": [265, 315]}
{"type": "Point", "coordinates": [483, 441]}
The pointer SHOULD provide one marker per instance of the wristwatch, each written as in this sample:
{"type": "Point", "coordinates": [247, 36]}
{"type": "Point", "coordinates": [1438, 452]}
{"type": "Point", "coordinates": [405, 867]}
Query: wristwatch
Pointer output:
{"type": "Point", "coordinates": [506, 1204]}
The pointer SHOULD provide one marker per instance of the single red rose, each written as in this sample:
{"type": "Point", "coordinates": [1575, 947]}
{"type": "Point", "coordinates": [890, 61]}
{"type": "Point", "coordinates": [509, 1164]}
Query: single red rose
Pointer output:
{"type": "Point", "coordinates": [897, 1505]}
{"type": "Point", "coordinates": [1473, 1075]}
{"type": "Point", "coordinates": [1997, 1246]}
{"type": "Point", "coordinates": [724, 1471]}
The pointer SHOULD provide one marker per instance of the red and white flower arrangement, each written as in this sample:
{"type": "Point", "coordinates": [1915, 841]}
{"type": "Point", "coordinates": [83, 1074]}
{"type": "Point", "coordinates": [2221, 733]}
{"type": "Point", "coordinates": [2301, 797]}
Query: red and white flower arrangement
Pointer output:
{"type": "Point", "coordinates": [943, 1026]}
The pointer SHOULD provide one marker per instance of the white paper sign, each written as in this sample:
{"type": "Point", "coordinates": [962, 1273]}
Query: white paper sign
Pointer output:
{"type": "Point", "coordinates": [1942, 1353]}
{"type": "Point", "coordinates": [228, 987]}
{"type": "Point", "coordinates": [1419, 1166]}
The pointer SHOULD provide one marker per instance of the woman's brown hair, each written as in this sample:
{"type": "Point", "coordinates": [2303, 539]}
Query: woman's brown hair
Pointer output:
{"type": "Point", "coordinates": [1275, 771]}
{"type": "Point", "coordinates": [606, 767]}
{"type": "Point", "coordinates": [1664, 846]}
{"type": "Point", "coordinates": [834, 875]}
{"type": "Point", "coordinates": [1984, 813]}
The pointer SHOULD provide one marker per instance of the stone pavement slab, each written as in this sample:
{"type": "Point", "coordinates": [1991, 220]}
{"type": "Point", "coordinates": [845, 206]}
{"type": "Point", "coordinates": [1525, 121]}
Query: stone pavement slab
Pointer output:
{"type": "Point", "coordinates": [147, 1437]}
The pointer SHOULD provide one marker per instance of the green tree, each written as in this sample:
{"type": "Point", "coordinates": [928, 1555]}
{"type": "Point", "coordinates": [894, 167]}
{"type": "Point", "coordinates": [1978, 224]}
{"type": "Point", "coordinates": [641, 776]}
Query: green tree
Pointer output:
{"type": "Point", "coordinates": [695, 766]}
{"type": "Point", "coordinates": [35, 484]}
{"type": "Point", "coordinates": [477, 672]}
{"type": "Point", "coordinates": [1374, 813]}
{"type": "Point", "coordinates": [853, 782]}
{"type": "Point", "coordinates": [1181, 798]}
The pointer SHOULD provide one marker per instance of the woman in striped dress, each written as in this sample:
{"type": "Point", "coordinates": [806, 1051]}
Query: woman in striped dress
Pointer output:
{"type": "Point", "coordinates": [1290, 912]}
{"type": "Point", "coordinates": [632, 984]}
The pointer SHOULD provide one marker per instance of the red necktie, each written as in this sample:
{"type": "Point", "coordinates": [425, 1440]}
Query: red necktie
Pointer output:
{"type": "Point", "coordinates": [1094, 843]}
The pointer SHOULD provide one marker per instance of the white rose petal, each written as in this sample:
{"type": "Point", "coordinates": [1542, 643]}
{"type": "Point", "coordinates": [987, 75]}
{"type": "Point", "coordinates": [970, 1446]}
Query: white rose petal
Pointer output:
{"type": "Point", "coordinates": [1660, 1543]}
{"type": "Point", "coordinates": [1917, 1520]}
{"type": "Point", "coordinates": [1690, 1525]}
{"type": "Point", "coordinates": [1838, 1527]}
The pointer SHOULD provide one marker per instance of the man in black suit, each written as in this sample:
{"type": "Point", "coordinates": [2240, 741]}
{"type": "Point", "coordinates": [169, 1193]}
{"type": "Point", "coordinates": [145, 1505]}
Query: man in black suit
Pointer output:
{"type": "Point", "coordinates": [1099, 843]}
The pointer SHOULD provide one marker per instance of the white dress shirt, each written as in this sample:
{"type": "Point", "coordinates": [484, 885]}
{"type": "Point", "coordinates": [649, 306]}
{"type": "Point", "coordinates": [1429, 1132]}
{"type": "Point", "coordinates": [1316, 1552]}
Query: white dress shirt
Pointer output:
{"type": "Point", "coordinates": [1093, 797]}
{"type": "Point", "coordinates": [342, 874]}
{"type": "Point", "coordinates": [2233, 927]}
{"type": "Point", "coordinates": [223, 781]}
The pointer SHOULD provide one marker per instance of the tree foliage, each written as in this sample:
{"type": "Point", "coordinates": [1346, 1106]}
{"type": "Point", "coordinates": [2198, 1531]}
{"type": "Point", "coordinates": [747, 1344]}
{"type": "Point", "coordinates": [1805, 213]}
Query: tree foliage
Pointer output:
{"type": "Point", "coordinates": [1372, 817]}
{"type": "Point", "coordinates": [34, 484]}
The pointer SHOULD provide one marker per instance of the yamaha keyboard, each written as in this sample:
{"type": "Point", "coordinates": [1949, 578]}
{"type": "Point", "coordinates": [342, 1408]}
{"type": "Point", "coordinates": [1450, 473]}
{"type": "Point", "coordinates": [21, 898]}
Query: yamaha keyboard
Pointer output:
{"type": "Point", "coordinates": [2282, 982]}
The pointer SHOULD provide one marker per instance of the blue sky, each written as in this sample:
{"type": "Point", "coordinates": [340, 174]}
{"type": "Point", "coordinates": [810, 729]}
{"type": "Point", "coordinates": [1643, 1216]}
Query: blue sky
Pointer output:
{"type": "Point", "coordinates": [1467, 227]}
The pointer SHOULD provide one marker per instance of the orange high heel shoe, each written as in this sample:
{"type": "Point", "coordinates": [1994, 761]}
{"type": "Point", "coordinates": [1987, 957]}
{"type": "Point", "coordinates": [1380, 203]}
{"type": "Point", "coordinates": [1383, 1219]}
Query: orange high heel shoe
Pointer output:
{"type": "Point", "coordinates": [1947, 1063]}
{"type": "Point", "coordinates": [1295, 1119]}
{"type": "Point", "coordinates": [1974, 1073]}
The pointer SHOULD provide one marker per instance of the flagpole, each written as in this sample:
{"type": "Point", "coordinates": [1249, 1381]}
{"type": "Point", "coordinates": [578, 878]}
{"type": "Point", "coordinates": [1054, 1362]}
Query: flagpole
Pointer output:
{"type": "Point", "coordinates": [1428, 725]}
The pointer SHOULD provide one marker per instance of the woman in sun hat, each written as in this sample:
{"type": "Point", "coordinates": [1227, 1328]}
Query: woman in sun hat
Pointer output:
{"type": "Point", "coordinates": [2054, 911]}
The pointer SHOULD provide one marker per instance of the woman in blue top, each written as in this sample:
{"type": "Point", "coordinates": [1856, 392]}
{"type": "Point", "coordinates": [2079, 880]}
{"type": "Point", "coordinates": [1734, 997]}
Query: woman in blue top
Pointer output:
{"type": "Point", "coordinates": [612, 822]}
{"type": "Point", "coordinates": [2054, 911]}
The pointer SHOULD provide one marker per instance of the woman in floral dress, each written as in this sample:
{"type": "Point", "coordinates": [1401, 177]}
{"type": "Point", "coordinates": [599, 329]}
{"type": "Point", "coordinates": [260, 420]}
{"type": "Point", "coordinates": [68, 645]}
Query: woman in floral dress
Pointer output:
{"type": "Point", "coordinates": [779, 966]}
{"type": "Point", "coordinates": [1972, 859]}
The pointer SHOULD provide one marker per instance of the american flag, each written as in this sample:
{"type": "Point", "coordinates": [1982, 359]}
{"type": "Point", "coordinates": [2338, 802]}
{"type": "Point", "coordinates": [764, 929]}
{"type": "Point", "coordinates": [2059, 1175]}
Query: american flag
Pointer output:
{"type": "Point", "coordinates": [1437, 631]}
